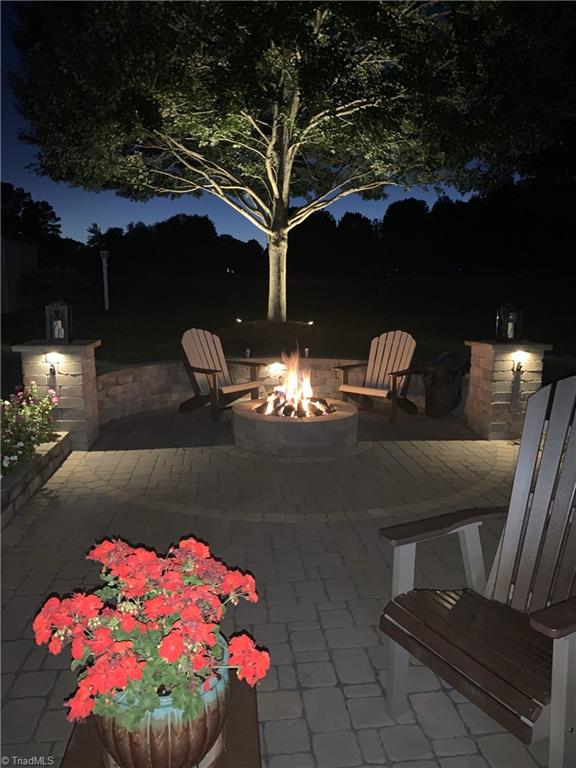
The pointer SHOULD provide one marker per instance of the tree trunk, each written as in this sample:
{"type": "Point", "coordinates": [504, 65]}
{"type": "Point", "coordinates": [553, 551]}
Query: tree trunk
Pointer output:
{"type": "Point", "coordinates": [277, 250]}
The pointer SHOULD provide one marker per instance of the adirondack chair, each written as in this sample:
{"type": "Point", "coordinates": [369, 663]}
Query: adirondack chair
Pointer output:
{"type": "Point", "coordinates": [209, 375]}
{"type": "Point", "coordinates": [387, 370]}
{"type": "Point", "coordinates": [512, 649]}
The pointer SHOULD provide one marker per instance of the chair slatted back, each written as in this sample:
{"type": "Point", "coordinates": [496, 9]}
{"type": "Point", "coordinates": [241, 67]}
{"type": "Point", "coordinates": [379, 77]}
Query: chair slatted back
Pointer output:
{"type": "Point", "coordinates": [389, 352]}
{"type": "Point", "coordinates": [536, 564]}
{"type": "Point", "coordinates": [204, 350]}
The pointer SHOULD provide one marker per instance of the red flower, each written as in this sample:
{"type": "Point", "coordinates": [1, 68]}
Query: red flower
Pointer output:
{"type": "Point", "coordinates": [238, 582]}
{"type": "Point", "coordinates": [101, 641]}
{"type": "Point", "coordinates": [252, 664]}
{"type": "Point", "coordinates": [55, 645]}
{"type": "Point", "coordinates": [195, 548]}
{"type": "Point", "coordinates": [172, 646]}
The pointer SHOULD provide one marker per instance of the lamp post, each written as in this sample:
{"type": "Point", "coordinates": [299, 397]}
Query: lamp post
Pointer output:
{"type": "Point", "coordinates": [104, 256]}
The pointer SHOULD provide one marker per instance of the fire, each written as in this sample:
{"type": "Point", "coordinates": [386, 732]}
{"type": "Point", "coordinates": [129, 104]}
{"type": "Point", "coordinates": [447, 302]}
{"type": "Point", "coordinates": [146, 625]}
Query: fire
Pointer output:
{"type": "Point", "coordinates": [294, 397]}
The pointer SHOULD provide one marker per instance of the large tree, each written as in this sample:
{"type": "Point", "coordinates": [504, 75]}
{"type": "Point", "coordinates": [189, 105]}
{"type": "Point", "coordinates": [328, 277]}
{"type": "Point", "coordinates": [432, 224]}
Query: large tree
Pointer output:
{"type": "Point", "coordinates": [282, 108]}
{"type": "Point", "coordinates": [27, 219]}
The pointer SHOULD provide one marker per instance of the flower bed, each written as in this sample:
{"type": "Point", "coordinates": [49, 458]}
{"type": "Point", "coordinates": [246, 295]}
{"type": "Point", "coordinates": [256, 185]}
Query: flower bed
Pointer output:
{"type": "Point", "coordinates": [26, 423]}
{"type": "Point", "coordinates": [28, 476]}
{"type": "Point", "coordinates": [31, 450]}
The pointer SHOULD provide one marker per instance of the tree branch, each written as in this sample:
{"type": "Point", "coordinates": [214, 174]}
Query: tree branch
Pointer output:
{"type": "Point", "coordinates": [321, 202]}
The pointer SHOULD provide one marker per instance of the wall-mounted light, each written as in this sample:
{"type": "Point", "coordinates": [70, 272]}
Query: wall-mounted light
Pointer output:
{"type": "Point", "coordinates": [238, 319]}
{"type": "Point", "coordinates": [52, 360]}
{"type": "Point", "coordinates": [519, 359]}
{"type": "Point", "coordinates": [276, 369]}
{"type": "Point", "coordinates": [310, 322]}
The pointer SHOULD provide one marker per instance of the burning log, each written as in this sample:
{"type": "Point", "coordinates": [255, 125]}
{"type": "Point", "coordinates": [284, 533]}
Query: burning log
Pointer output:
{"type": "Point", "coordinates": [294, 397]}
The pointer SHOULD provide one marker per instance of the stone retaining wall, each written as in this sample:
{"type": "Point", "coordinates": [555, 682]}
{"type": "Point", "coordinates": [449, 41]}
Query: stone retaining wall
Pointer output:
{"type": "Point", "coordinates": [28, 477]}
{"type": "Point", "coordinates": [150, 386]}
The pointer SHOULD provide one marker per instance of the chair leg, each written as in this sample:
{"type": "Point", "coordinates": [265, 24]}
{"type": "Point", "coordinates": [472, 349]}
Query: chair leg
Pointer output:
{"type": "Point", "coordinates": [563, 704]}
{"type": "Point", "coordinates": [215, 404]}
{"type": "Point", "coordinates": [471, 547]}
{"type": "Point", "coordinates": [394, 403]}
{"type": "Point", "coordinates": [403, 564]}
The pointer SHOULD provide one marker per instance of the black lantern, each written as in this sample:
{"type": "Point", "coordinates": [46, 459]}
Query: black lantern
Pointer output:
{"type": "Point", "coordinates": [508, 323]}
{"type": "Point", "coordinates": [58, 323]}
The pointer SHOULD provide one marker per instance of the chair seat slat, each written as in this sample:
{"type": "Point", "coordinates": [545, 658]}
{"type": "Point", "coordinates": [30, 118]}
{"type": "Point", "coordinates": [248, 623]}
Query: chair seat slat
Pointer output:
{"type": "Point", "coordinates": [464, 662]}
{"type": "Point", "coordinates": [487, 643]}
{"type": "Point", "coordinates": [460, 682]}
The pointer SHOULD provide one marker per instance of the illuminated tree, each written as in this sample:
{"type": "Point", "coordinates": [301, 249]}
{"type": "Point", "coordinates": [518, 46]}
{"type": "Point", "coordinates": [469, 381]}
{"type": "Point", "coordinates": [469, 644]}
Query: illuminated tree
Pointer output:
{"type": "Point", "coordinates": [282, 108]}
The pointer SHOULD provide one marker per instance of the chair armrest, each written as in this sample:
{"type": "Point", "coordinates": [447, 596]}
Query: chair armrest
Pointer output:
{"type": "Point", "coordinates": [203, 370]}
{"type": "Point", "coordinates": [348, 366]}
{"type": "Point", "coordinates": [433, 527]}
{"type": "Point", "coordinates": [249, 363]}
{"type": "Point", "coordinates": [556, 621]}
{"type": "Point", "coordinates": [407, 372]}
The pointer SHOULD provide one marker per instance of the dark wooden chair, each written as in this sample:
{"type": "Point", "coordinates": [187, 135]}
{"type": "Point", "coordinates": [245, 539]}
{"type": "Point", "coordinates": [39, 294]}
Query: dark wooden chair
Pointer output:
{"type": "Point", "coordinates": [387, 370]}
{"type": "Point", "coordinates": [509, 646]}
{"type": "Point", "coordinates": [209, 375]}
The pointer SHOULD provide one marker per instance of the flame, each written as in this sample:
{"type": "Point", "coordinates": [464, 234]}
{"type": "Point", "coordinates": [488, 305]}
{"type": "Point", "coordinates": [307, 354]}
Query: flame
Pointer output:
{"type": "Point", "coordinates": [294, 396]}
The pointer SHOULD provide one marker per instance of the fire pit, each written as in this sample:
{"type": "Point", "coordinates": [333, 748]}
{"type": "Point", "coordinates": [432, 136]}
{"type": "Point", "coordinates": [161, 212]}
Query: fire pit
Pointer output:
{"type": "Point", "coordinates": [292, 421]}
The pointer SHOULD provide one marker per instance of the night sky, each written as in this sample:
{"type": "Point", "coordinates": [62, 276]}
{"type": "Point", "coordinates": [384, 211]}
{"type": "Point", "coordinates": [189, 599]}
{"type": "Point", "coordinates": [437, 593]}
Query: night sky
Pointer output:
{"type": "Point", "coordinates": [77, 208]}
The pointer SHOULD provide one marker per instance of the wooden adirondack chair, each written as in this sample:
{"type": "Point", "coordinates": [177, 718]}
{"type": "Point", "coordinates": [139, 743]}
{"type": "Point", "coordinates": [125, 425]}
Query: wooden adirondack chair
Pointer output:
{"type": "Point", "coordinates": [511, 650]}
{"type": "Point", "coordinates": [387, 370]}
{"type": "Point", "coordinates": [208, 370]}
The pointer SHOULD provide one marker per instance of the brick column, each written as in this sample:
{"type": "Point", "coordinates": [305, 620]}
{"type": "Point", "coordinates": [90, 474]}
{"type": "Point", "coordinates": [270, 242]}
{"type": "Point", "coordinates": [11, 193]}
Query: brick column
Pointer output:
{"type": "Point", "coordinates": [502, 378]}
{"type": "Point", "coordinates": [74, 380]}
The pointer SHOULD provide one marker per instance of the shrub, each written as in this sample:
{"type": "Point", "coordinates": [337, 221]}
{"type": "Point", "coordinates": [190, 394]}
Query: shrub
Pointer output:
{"type": "Point", "coordinates": [26, 423]}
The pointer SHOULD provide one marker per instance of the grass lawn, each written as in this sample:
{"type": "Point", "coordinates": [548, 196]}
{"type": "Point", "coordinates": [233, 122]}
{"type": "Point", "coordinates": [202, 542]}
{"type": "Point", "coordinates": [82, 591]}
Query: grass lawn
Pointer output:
{"type": "Point", "coordinates": [150, 312]}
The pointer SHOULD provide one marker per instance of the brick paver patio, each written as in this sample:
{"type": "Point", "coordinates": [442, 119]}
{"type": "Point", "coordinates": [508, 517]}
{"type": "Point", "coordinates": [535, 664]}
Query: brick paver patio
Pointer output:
{"type": "Point", "coordinates": [308, 532]}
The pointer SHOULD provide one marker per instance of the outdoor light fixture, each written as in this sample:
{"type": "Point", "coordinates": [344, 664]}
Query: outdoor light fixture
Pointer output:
{"type": "Point", "coordinates": [508, 323]}
{"type": "Point", "coordinates": [310, 322]}
{"type": "Point", "coordinates": [238, 319]}
{"type": "Point", "coordinates": [276, 369]}
{"type": "Point", "coordinates": [519, 358]}
{"type": "Point", "coordinates": [58, 323]}
{"type": "Point", "coordinates": [52, 360]}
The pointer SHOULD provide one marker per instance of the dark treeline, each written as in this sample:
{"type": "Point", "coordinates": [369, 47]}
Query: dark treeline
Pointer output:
{"type": "Point", "coordinates": [518, 227]}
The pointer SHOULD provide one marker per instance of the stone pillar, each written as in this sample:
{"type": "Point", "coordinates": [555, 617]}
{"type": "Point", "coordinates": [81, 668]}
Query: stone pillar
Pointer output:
{"type": "Point", "coordinates": [503, 375]}
{"type": "Point", "coordinates": [70, 370]}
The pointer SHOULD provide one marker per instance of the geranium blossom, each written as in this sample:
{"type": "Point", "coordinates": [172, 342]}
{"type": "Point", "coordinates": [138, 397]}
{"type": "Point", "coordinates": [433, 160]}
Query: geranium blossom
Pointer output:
{"type": "Point", "coordinates": [154, 613]}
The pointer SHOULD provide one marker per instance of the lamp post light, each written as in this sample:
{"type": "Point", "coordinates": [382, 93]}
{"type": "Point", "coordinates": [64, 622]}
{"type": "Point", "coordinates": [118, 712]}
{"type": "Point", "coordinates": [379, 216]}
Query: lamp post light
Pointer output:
{"type": "Point", "coordinates": [104, 256]}
{"type": "Point", "coordinates": [58, 316]}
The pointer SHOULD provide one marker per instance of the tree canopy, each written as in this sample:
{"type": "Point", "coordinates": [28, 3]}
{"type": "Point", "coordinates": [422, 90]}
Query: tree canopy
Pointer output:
{"type": "Point", "coordinates": [281, 109]}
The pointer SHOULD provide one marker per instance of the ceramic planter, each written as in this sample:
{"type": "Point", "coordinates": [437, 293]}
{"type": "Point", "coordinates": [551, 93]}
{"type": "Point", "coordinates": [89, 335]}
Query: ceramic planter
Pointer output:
{"type": "Point", "coordinates": [164, 739]}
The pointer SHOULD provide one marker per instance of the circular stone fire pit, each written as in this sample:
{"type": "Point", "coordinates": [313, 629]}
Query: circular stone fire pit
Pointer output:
{"type": "Point", "coordinates": [308, 436]}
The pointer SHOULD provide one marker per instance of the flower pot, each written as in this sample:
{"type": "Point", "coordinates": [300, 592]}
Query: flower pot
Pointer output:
{"type": "Point", "coordinates": [164, 739]}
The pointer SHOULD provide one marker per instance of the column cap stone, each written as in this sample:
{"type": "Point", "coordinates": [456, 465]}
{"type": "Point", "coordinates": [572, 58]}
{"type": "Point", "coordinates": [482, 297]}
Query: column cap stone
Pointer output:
{"type": "Point", "coordinates": [513, 343]}
{"type": "Point", "coordinates": [41, 347]}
